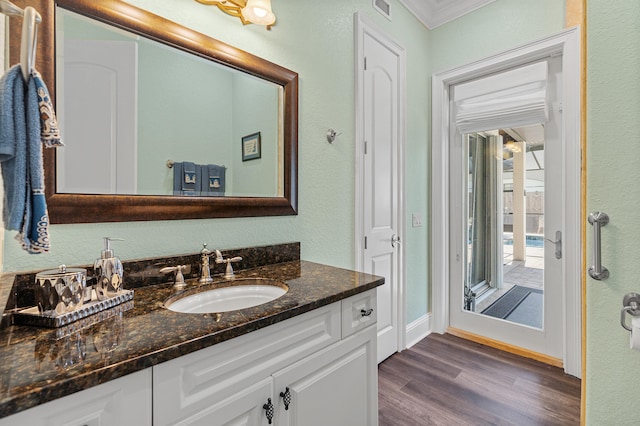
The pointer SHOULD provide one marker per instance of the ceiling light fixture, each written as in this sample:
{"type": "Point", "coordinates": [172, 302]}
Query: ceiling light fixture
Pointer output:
{"type": "Point", "coordinates": [248, 11]}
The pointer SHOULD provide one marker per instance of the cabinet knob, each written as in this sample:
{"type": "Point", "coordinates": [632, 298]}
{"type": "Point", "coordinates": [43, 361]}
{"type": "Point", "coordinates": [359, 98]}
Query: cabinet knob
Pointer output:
{"type": "Point", "coordinates": [268, 410]}
{"type": "Point", "coordinates": [366, 312]}
{"type": "Point", "coordinates": [286, 398]}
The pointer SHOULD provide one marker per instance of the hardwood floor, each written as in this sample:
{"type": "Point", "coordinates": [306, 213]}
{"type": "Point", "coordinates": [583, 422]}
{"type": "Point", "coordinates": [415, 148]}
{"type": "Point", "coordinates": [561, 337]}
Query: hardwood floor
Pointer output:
{"type": "Point", "coordinates": [445, 380]}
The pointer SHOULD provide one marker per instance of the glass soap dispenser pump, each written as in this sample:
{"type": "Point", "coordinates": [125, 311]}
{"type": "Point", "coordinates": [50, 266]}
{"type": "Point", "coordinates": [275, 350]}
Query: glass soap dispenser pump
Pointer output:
{"type": "Point", "coordinates": [109, 272]}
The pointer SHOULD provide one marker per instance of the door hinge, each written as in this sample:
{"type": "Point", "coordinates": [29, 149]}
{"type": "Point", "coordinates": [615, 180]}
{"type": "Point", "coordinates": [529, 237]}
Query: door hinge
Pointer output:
{"type": "Point", "coordinates": [365, 147]}
{"type": "Point", "coordinates": [365, 243]}
{"type": "Point", "coordinates": [365, 63]}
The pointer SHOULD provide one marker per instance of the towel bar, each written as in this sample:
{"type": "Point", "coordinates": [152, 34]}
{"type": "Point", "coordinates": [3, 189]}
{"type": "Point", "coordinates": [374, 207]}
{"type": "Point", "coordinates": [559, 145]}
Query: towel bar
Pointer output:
{"type": "Point", "coordinates": [28, 42]}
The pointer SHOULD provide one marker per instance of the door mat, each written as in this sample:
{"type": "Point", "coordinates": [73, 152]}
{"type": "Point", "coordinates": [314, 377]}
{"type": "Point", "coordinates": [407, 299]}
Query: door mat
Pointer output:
{"type": "Point", "coordinates": [509, 301]}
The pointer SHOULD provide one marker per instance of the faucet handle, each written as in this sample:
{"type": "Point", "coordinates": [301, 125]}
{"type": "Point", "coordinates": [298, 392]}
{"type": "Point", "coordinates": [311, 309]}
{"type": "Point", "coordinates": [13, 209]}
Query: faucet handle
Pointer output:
{"type": "Point", "coordinates": [178, 279]}
{"type": "Point", "coordinates": [221, 259]}
{"type": "Point", "coordinates": [229, 272]}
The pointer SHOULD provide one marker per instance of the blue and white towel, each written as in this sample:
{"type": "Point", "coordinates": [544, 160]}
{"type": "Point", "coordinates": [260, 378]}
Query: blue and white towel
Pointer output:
{"type": "Point", "coordinates": [49, 128]}
{"type": "Point", "coordinates": [27, 122]}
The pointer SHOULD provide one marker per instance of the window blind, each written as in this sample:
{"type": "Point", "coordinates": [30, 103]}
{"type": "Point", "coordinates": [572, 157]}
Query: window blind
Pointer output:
{"type": "Point", "coordinates": [512, 98]}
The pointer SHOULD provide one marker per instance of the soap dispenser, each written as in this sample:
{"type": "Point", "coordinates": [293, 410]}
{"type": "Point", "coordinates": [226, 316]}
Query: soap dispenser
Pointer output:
{"type": "Point", "coordinates": [109, 272]}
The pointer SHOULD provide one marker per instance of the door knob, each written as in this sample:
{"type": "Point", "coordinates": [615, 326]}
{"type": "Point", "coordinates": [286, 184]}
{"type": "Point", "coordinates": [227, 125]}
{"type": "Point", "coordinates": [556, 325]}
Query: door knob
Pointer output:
{"type": "Point", "coordinates": [395, 240]}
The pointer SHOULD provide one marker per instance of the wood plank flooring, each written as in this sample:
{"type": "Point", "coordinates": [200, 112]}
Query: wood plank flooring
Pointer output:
{"type": "Point", "coordinates": [445, 380]}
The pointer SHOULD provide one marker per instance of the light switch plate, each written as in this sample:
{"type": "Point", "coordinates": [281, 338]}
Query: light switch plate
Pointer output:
{"type": "Point", "coordinates": [416, 220]}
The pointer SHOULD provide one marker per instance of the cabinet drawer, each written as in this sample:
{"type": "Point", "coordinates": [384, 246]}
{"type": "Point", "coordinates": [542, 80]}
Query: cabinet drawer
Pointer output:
{"type": "Point", "coordinates": [358, 312]}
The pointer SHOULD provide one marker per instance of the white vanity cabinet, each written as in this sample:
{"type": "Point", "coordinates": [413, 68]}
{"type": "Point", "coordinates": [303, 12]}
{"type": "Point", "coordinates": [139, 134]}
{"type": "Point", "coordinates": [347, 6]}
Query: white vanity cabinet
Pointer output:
{"type": "Point", "coordinates": [323, 362]}
{"type": "Point", "coordinates": [331, 378]}
{"type": "Point", "coordinates": [123, 401]}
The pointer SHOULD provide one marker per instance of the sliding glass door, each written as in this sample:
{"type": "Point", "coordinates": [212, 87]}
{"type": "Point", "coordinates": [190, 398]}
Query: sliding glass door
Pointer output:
{"type": "Point", "coordinates": [484, 218]}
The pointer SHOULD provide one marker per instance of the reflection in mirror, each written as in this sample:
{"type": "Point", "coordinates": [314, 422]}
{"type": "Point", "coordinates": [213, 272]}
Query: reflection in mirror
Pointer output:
{"type": "Point", "coordinates": [241, 186]}
{"type": "Point", "coordinates": [158, 121]}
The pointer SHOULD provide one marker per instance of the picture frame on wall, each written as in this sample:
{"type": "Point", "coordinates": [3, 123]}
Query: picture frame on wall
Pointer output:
{"type": "Point", "coordinates": [251, 147]}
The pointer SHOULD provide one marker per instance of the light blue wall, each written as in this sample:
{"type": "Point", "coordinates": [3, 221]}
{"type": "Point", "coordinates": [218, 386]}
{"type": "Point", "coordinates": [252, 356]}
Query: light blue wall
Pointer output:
{"type": "Point", "coordinates": [253, 111]}
{"type": "Point", "coordinates": [501, 25]}
{"type": "Point", "coordinates": [184, 114]}
{"type": "Point", "coordinates": [75, 27]}
{"type": "Point", "coordinates": [613, 186]}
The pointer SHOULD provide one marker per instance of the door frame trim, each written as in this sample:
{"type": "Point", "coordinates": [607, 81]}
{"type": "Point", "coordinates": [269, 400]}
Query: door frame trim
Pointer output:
{"type": "Point", "coordinates": [364, 25]}
{"type": "Point", "coordinates": [567, 45]}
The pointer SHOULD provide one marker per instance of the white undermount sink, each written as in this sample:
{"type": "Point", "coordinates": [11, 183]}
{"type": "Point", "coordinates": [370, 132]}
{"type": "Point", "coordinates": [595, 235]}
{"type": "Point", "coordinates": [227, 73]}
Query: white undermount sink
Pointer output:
{"type": "Point", "coordinates": [245, 293]}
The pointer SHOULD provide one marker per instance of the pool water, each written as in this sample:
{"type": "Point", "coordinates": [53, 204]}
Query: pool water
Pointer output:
{"type": "Point", "coordinates": [532, 241]}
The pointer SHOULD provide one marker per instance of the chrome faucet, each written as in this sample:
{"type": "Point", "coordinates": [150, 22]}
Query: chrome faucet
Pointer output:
{"type": "Point", "coordinates": [229, 272]}
{"type": "Point", "coordinates": [205, 270]}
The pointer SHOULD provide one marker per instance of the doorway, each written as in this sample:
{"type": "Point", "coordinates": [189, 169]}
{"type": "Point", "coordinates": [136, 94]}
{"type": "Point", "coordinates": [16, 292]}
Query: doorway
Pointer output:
{"type": "Point", "coordinates": [380, 94]}
{"type": "Point", "coordinates": [529, 95]}
{"type": "Point", "coordinates": [565, 48]}
{"type": "Point", "coordinates": [510, 272]}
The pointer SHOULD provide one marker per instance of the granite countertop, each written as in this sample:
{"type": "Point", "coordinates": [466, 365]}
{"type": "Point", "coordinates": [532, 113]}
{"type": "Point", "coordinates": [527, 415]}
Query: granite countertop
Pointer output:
{"type": "Point", "coordinates": [40, 364]}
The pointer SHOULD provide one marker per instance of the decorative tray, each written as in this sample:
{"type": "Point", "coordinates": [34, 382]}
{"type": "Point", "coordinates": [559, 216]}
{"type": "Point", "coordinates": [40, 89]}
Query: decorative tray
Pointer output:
{"type": "Point", "coordinates": [32, 316]}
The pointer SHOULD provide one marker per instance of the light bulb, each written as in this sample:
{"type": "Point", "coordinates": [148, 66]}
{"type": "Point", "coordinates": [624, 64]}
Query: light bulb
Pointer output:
{"type": "Point", "coordinates": [259, 12]}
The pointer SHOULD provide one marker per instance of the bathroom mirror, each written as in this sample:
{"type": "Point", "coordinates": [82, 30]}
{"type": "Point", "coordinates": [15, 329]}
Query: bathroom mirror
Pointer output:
{"type": "Point", "coordinates": [257, 149]}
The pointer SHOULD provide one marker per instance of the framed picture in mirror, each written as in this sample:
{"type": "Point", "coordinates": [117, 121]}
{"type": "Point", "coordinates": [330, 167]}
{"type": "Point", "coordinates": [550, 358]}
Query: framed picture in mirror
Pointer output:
{"type": "Point", "coordinates": [251, 147]}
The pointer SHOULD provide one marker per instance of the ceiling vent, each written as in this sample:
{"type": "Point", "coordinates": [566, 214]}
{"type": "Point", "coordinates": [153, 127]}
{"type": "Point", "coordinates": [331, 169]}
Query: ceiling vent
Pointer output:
{"type": "Point", "coordinates": [383, 7]}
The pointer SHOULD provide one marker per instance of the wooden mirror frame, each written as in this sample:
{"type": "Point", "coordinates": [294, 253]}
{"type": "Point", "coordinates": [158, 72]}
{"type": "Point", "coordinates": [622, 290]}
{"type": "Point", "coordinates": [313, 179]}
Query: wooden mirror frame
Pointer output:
{"type": "Point", "coordinates": [90, 208]}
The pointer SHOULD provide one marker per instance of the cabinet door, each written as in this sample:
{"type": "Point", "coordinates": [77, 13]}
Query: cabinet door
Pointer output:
{"type": "Point", "coordinates": [124, 401]}
{"type": "Point", "coordinates": [336, 386]}
{"type": "Point", "coordinates": [191, 384]}
{"type": "Point", "coordinates": [245, 408]}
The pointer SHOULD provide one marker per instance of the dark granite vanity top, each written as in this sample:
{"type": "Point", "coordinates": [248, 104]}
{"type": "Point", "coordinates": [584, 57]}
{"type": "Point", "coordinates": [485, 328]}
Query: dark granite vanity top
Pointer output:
{"type": "Point", "coordinates": [40, 364]}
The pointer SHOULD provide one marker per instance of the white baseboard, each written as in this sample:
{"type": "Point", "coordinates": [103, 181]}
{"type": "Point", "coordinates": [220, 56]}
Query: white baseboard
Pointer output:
{"type": "Point", "coordinates": [418, 330]}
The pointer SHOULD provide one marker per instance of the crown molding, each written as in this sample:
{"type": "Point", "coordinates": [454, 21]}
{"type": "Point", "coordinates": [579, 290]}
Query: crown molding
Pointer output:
{"type": "Point", "coordinates": [433, 13]}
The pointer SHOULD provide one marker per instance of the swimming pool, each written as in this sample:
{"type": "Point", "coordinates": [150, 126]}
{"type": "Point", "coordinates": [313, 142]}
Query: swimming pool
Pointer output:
{"type": "Point", "coordinates": [532, 241]}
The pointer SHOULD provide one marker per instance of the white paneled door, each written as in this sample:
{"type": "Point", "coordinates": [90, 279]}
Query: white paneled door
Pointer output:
{"type": "Point", "coordinates": [382, 188]}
